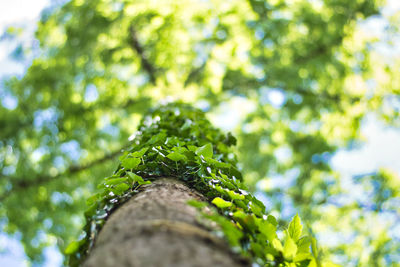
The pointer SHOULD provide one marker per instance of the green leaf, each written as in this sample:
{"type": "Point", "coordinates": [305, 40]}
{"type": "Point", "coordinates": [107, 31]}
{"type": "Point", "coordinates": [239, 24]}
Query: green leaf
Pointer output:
{"type": "Point", "coordinates": [179, 149]}
{"type": "Point", "coordinates": [241, 204]}
{"type": "Point", "coordinates": [314, 248]}
{"type": "Point", "coordinates": [295, 228]}
{"type": "Point", "coordinates": [235, 172]}
{"type": "Point", "coordinates": [196, 203]}
{"type": "Point", "coordinates": [256, 209]}
{"type": "Point", "coordinates": [303, 244]}
{"type": "Point", "coordinates": [250, 223]}
{"type": "Point", "coordinates": [192, 148]}
{"type": "Point", "coordinates": [216, 163]}
{"type": "Point", "coordinates": [302, 256]}
{"type": "Point", "coordinates": [205, 151]}
{"type": "Point", "coordinates": [91, 210]}
{"type": "Point", "coordinates": [271, 219]}
{"type": "Point", "coordinates": [72, 247]}
{"type": "Point", "coordinates": [158, 138]}
{"type": "Point", "coordinates": [220, 203]}
{"type": "Point", "coordinates": [268, 230]}
{"type": "Point", "coordinates": [290, 248]}
{"type": "Point", "coordinates": [91, 200]}
{"type": "Point", "coordinates": [137, 178]}
{"type": "Point", "coordinates": [188, 123]}
{"type": "Point", "coordinates": [277, 244]}
{"type": "Point", "coordinates": [124, 155]}
{"type": "Point", "coordinates": [116, 181]}
{"type": "Point", "coordinates": [239, 214]}
{"type": "Point", "coordinates": [175, 156]}
{"type": "Point", "coordinates": [231, 232]}
{"type": "Point", "coordinates": [119, 189]}
{"type": "Point", "coordinates": [234, 196]}
{"type": "Point", "coordinates": [140, 153]}
{"type": "Point", "coordinates": [230, 140]}
{"type": "Point", "coordinates": [130, 163]}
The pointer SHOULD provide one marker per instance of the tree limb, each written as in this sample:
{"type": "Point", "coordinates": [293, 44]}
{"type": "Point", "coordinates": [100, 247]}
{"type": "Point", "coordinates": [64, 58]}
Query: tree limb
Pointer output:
{"type": "Point", "coordinates": [147, 66]}
{"type": "Point", "coordinates": [22, 184]}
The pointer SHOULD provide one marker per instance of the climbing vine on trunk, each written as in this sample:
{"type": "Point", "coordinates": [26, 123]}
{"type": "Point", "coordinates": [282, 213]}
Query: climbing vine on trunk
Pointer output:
{"type": "Point", "coordinates": [178, 141]}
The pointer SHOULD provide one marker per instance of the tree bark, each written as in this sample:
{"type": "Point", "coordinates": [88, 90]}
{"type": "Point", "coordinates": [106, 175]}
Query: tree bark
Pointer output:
{"type": "Point", "coordinates": [157, 228]}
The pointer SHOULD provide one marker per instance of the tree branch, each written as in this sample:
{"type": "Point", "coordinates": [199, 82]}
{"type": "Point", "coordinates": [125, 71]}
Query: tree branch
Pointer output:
{"type": "Point", "coordinates": [147, 66]}
{"type": "Point", "coordinates": [39, 180]}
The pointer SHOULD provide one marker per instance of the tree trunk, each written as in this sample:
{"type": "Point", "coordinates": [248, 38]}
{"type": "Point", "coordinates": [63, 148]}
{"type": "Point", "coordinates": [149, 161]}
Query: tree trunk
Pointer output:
{"type": "Point", "coordinates": [157, 228]}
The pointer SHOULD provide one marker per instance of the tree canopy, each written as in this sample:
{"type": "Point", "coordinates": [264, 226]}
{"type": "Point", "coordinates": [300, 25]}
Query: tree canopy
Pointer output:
{"type": "Point", "coordinates": [295, 78]}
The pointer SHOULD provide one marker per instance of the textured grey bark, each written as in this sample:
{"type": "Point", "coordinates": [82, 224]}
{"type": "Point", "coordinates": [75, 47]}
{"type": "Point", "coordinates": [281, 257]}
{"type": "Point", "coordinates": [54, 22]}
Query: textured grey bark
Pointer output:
{"type": "Point", "coordinates": [157, 228]}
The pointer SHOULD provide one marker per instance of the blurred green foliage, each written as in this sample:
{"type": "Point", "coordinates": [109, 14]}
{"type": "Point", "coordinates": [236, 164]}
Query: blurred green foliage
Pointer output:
{"type": "Point", "coordinates": [303, 73]}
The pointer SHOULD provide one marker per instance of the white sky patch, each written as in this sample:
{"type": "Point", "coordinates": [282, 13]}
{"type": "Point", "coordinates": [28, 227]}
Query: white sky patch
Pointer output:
{"type": "Point", "coordinates": [378, 27]}
{"type": "Point", "coordinates": [17, 11]}
{"type": "Point", "coordinates": [273, 96]}
{"type": "Point", "coordinates": [91, 93]}
{"type": "Point", "coordinates": [13, 255]}
{"type": "Point", "coordinates": [8, 66]}
{"type": "Point", "coordinates": [283, 154]}
{"type": "Point", "coordinates": [391, 7]}
{"type": "Point", "coordinates": [230, 114]}
{"type": "Point", "coordinates": [8, 101]}
{"type": "Point", "coordinates": [276, 97]}
{"type": "Point", "coordinates": [375, 26]}
{"type": "Point", "coordinates": [381, 149]}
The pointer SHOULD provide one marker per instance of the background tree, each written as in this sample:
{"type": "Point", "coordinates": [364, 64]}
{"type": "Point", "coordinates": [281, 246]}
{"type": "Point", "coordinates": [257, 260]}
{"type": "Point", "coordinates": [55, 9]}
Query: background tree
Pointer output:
{"type": "Point", "coordinates": [304, 74]}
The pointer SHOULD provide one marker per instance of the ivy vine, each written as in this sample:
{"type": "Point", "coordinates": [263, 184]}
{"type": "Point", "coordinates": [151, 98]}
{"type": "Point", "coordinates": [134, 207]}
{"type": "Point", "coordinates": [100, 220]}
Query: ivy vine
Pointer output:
{"type": "Point", "coordinates": [178, 141]}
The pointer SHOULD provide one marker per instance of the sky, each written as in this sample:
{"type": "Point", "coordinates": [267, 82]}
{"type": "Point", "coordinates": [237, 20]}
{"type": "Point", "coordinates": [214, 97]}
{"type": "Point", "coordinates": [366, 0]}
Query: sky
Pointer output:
{"type": "Point", "coordinates": [380, 149]}
{"type": "Point", "coordinates": [17, 13]}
